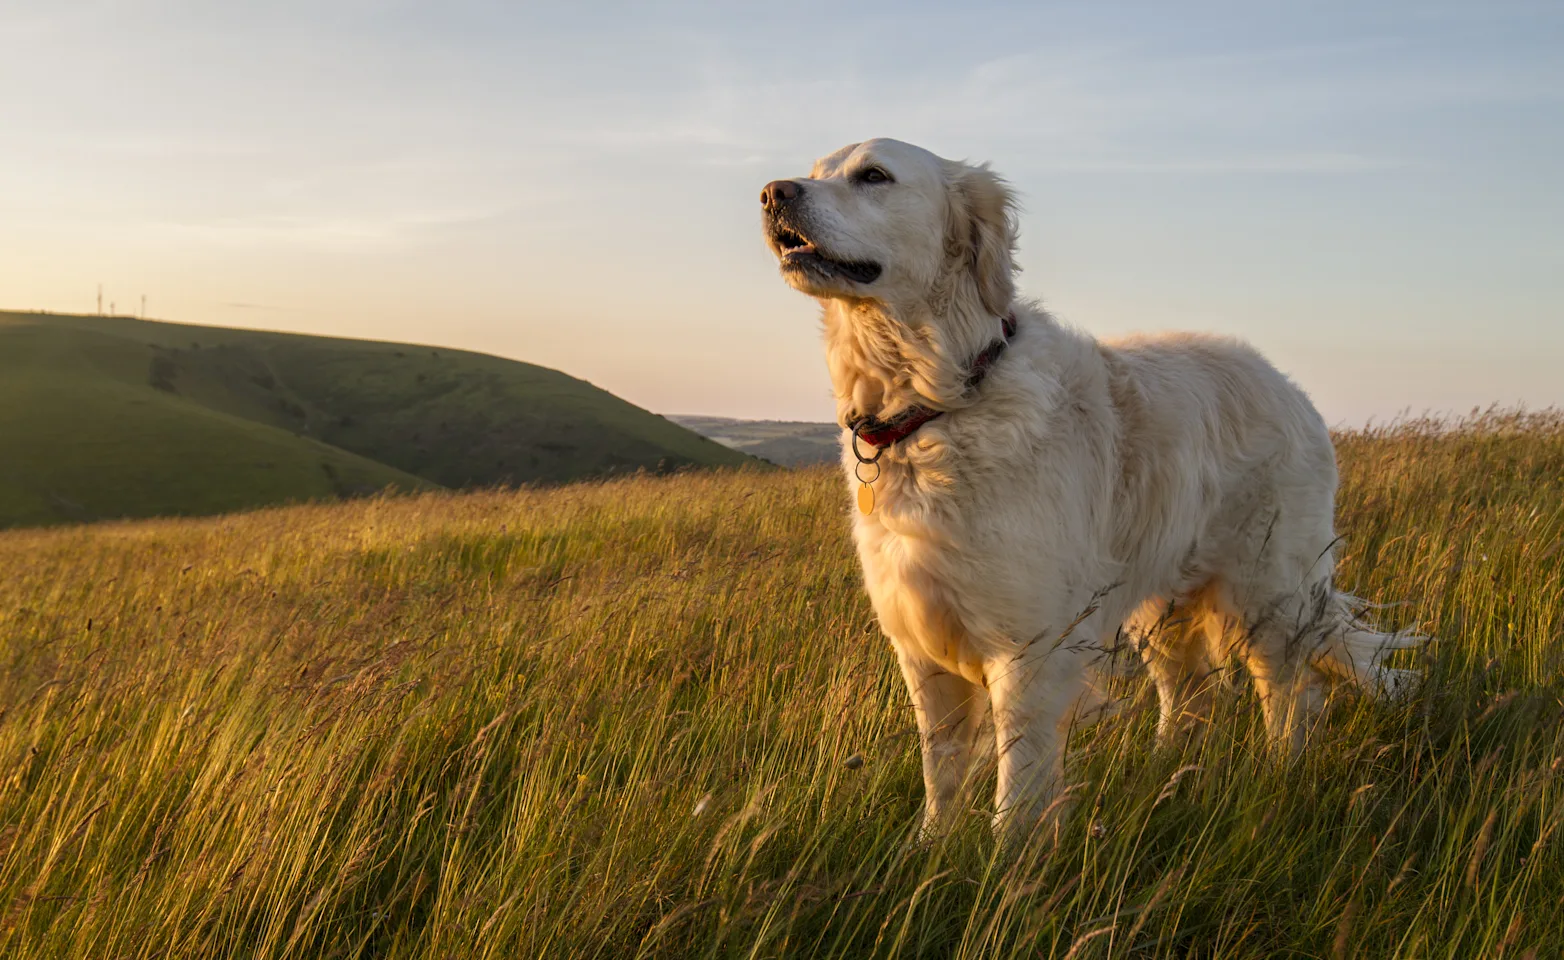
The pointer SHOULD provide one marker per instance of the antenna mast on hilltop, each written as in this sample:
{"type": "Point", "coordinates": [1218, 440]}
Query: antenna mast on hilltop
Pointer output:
{"type": "Point", "coordinates": [143, 306]}
{"type": "Point", "coordinates": [100, 299]}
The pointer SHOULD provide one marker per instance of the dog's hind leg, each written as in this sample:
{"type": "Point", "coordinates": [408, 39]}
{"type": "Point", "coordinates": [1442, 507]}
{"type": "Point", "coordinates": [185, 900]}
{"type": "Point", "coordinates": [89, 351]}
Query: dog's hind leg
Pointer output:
{"type": "Point", "coordinates": [1277, 642]}
{"type": "Point", "coordinates": [1167, 637]}
{"type": "Point", "coordinates": [1279, 667]}
{"type": "Point", "coordinates": [950, 711]}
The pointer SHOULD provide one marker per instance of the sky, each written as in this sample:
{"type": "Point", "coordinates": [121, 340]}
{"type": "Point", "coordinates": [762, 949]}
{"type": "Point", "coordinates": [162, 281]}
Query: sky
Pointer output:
{"type": "Point", "coordinates": [1373, 194]}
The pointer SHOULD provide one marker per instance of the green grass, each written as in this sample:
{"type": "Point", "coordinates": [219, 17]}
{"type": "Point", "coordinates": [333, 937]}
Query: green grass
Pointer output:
{"type": "Point", "coordinates": [104, 417]}
{"type": "Point", "coordinates": [615, 719]}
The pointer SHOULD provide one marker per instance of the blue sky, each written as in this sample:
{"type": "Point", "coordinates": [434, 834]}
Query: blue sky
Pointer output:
{"type": "Point", "coordinates": [1372, 193]}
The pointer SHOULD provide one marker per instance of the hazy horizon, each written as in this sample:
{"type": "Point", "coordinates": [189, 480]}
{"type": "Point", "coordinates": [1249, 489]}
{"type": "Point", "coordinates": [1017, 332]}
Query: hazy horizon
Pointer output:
{"type": "Point", "coordinates": [1371, 196]}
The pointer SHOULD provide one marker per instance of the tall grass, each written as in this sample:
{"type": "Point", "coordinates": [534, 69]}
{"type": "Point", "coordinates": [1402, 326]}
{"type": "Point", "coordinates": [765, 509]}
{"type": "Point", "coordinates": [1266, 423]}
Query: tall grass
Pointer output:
{"type": "Point", "coordinates": [654, 718]}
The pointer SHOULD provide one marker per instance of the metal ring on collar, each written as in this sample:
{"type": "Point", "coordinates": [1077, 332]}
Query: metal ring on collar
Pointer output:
{"type": "Point", "coordinates": [878, 451]}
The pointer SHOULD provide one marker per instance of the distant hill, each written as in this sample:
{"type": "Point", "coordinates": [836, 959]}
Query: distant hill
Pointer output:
{"type": "Point", "coordinates": [115, 417]}
{"type": "Point", "coordinates": [790, 443]}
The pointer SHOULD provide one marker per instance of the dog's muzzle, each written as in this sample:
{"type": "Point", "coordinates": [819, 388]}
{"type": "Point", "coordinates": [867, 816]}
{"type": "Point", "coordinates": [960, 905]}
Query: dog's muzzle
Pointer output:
{"type": "Point", "coordinates": [794, 248]}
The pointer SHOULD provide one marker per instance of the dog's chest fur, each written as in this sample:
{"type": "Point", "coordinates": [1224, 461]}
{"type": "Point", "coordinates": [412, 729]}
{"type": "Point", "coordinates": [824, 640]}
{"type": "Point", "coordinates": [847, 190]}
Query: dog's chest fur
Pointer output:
{"type": "Point", "coordinates": [963, 555]}
{"type": "Point", "coordinates": [920, 566]}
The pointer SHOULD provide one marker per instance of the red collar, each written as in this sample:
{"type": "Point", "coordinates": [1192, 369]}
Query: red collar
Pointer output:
{"type": "Point", "coordinates": [880, 434]}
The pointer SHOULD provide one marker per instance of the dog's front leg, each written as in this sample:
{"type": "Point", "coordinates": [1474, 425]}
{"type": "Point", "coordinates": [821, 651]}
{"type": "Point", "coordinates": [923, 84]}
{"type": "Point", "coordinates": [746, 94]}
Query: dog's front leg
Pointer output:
{"type": "Point", "coordinates": [950, 710]}
{"type": "Point", "coordinates": [1034, 698]}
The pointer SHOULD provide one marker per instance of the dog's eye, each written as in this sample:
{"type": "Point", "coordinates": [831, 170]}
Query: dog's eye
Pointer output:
{"type": "Point", "coordinates": [874, 175]}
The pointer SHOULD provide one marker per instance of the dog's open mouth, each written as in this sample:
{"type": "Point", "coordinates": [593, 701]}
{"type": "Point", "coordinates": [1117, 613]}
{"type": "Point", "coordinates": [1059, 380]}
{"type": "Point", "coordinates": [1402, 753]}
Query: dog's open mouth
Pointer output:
{"type": "Point", "coordinates": [798, 253]}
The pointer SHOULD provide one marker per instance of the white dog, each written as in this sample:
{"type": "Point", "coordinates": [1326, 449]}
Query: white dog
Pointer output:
{"type": "Point", "coordinates": [1028, 496]}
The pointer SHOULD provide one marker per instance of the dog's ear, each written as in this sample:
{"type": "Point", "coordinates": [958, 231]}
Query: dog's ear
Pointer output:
{"type": "Point", "coordinates": [982, 233]}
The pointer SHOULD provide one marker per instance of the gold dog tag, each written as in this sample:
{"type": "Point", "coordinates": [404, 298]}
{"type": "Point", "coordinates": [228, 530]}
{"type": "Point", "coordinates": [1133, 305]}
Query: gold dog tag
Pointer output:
{"type": "Point", "coordinates": [865, 484]}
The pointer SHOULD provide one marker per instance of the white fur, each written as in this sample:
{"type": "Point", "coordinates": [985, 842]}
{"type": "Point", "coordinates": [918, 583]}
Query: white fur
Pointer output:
{"type": "Point", "coordinates": [1176, 492]}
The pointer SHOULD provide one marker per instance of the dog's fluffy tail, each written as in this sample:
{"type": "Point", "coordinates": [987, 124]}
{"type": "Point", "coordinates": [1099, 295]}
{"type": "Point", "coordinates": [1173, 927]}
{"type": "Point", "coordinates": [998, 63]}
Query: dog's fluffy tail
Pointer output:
{"type": "Point", "coordinates": [1353, 650]}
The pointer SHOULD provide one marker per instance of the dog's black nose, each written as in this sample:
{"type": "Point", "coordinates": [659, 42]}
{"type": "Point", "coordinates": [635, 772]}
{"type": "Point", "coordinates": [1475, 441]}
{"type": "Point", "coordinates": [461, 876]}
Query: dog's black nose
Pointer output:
{"type": "Point", "coordinates": [778, 192]}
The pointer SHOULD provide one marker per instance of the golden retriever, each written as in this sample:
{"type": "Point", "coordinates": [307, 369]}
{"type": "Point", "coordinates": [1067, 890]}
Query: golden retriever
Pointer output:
{"type": "Point", "coordinates": [1029, 498]}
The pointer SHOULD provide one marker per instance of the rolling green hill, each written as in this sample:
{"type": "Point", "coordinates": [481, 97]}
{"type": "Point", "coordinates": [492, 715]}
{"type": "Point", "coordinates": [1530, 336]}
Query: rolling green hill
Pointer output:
{"type": "Point", "coordinates": [116, 417]}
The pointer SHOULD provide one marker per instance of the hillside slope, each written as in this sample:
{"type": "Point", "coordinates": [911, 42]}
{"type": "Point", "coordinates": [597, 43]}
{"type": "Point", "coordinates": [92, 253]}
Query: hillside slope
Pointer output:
{"type": "Point", "coordinates": [111, 416]}
{"type": "Point", "coordinates": [83, 436]}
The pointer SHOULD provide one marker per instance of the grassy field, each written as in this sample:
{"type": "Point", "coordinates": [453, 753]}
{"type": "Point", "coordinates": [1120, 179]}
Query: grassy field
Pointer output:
{"type": "Point", "coordinates": [105, 417]}
{"type": "Point", "coordinates": [653, 717]}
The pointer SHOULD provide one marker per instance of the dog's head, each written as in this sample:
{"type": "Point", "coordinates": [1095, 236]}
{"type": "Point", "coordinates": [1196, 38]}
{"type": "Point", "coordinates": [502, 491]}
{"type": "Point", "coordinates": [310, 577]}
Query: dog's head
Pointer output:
{"type": "Point", "coordinates": [885, 220]}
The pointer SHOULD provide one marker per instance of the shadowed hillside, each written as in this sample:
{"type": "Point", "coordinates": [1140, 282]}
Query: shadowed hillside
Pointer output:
{"type": "Point", "coordinates": [111, 416]}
